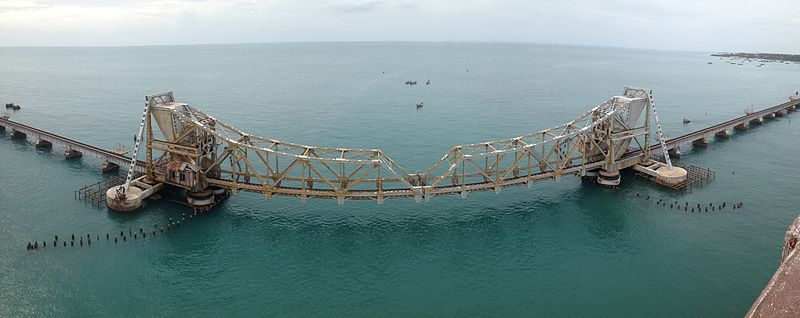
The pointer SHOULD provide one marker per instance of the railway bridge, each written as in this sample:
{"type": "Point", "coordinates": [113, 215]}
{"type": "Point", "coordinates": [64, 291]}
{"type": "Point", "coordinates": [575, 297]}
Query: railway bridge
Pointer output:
{"type": "Point", "coordinates": [190, 149]}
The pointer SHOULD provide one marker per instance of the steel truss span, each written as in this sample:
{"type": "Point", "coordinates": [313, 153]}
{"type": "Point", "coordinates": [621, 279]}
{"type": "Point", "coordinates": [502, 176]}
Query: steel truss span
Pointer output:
{"type": "Point", "coordinates": [218, 154]}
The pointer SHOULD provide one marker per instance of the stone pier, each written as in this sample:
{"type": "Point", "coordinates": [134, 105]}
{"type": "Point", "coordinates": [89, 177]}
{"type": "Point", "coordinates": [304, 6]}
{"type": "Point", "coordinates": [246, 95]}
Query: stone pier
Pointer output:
{"type": "Point", "coordinates": [72, 154]}
{"type": "Point", "coordinates": [742, 127]}
{"type": "Point", "coordinates": [674, 152]}
{"type": "Point", "coordinates": [702, 142]}
{"type": "Point", "coordinates": [722, 134]}
{"type": "Point", "coordinates": [43, 144]}
{"type": "Point", "coordinates": [15, 134]}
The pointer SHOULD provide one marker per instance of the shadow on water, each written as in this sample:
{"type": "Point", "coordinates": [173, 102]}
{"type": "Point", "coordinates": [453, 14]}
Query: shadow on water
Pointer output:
{"type": "Point", "coordinates": [605, 210]}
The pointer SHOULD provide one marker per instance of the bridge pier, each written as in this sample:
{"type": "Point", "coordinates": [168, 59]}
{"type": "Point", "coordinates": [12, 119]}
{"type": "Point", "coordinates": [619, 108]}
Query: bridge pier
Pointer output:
{"type": "Point", "coordinates": [757, 121]}
{"type": "Point", "coordinates": [723, 134]}
{"type": "Point", "coordinates": [662, 173]}
{"type": "Point", "coordinates": [742, 127]}
{"type": "Point", "coordinates": [200, 198]}
{"type": "Point", "coordinates": [72, 154]}
{"type": "Point", "coordinates": [702, 142]}
{"type": "Point", "coordinates": [674, 152]}
{"type": "Point", "coordinates": [43, 144]}
{"type": "Point", "coordinates": [108, 166]}
{"type": "Point", "coordinates": [590, 175]}
{"type": "Point", "coordinates": [608, 178]}
{"type": "Point", "coordinates": [16, 134]}
{"type": "Point", "coordinates": [781, 113]}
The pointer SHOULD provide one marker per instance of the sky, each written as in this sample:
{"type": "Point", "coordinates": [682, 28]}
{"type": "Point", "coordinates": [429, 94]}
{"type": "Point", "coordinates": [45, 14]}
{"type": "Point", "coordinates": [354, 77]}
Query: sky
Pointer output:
{"type": "Point", "coordinates": [685, 25]}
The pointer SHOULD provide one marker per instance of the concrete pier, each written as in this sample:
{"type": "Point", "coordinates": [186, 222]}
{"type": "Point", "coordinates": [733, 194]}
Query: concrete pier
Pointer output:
{"type": "Point", "coordinates": [742, 127]}
{"type": "Point", "coordinates": [702, 142]}
{"type": "Point", "coordinates": [781, 113]}
{"type": "Point", "coordinates": [757, 121]}
{"type": "Point", "coordinates": [132, 199]}
{"type": "Point", "coordinates": [43, 144]}
{"type": "Point", "coordinates": [722, 134]}
{"type": "Point", "coordinates": [608, 178]}
{"type": "Point", "coordinates": [108, 166]}
{"type": "Point", "coordinates": [662, 172]}
{"type": "Point", "coordinates": [674, 152]}
{"type": "Point", "coordinates": [16, 134]}
{"type": "Point", "coordinates": [72, 154]}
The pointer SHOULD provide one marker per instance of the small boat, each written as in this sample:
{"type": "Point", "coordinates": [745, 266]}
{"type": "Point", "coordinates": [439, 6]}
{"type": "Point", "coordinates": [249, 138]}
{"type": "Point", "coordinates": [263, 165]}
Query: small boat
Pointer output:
{"type": "Point", "coordinates": [419, 105]}
{"type": "Point", "coordinates": [686, 120]}
{"type": "Point", "coordinates": [428, 82]}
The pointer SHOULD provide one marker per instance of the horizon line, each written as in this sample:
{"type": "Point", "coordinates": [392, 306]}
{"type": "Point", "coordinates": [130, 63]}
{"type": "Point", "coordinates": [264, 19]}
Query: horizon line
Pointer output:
{"type": "Point", "coordinates": [362, 41]}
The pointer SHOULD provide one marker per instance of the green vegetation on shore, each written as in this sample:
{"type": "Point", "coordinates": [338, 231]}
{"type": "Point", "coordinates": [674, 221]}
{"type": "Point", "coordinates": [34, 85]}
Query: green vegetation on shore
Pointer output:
{"type": "Point", "coordinates": [762, 56]}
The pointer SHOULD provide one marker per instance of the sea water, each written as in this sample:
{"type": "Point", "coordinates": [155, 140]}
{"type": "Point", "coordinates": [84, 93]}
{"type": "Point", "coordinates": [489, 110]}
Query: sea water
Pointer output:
{"type": "Point", "coordinates": [566, 248]}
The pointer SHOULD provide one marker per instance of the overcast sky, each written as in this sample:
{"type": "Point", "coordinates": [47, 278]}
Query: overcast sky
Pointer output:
{"type": "Point", "coordinates": [694, 25]}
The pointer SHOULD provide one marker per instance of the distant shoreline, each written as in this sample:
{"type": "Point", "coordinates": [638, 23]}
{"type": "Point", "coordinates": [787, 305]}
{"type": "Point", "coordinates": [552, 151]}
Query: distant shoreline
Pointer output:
{"type": "Point", "coordinates": [762, 56]}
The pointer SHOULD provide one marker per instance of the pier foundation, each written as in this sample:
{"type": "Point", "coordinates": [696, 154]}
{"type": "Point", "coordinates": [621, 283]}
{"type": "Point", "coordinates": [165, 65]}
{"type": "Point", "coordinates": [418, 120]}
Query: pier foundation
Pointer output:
{"type": "Point", "coordinates": [742, 127]}
{"type": "Point", "coordinates": [674, 152]}
{"type": "Point", "coordinates": [108, 166]}
{"type": "Point", "coordinates": [200, 198]}
{"type": "Point", "coordinates": [757, 121]}
{"type": "Point", "coordinates": [72, 154]}
{"type": "Point", "coordinates": [15, 134]}
{"type": "Point", "coordinates": [781, 113]}
{"type": "Point", "coordinates": [702, 142]}
{"type": "Point", "coordinates": [43, 144]}
{"type": "Point", "coordinates": [131, 200]}
{"type": "Point", "coordinates": [671, 176]}
{"type": "Point", "coordinates": [608, 178]}
{"type": "Point", "coordinates": [724, 134]}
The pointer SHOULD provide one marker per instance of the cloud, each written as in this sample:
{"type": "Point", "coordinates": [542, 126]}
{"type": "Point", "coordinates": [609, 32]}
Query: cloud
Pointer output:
{"type": "Point", "coordinates": [661, 24]}
{"type": "Point", "coordinates": [358, 6]}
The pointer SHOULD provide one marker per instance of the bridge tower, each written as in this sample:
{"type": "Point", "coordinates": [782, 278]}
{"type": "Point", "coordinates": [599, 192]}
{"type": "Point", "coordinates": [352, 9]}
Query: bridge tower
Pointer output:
{"type": "Point", "coordinates": [180, 155]}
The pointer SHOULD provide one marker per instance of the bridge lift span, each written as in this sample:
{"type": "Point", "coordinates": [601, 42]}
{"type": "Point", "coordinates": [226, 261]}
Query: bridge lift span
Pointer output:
{"type": "Point", "coordinates": [195, 151]}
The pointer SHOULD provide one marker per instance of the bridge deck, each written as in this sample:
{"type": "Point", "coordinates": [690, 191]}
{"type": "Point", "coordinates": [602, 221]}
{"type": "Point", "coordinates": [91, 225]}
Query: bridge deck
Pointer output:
{"type": "Point", "coordinates": [729, 125]}
{"type": "Point", "coordinates": [67, 143]}
{"type": "Point", "coordinates": [709, 132]}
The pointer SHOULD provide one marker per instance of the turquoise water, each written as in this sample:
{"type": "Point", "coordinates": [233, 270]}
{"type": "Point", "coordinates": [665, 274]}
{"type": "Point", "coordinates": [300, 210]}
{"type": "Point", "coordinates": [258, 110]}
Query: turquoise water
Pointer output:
{"type": "Point", "coordinates": [563, 248]}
